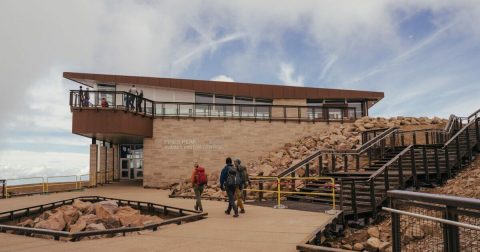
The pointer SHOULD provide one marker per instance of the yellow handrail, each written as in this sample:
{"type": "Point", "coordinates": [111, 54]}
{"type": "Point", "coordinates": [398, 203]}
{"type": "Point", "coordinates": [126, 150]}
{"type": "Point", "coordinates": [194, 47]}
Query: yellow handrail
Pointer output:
{"type": "Point", "coordinates": [279, 191]}
{"type": "Point", "coordinates": [62, 183]}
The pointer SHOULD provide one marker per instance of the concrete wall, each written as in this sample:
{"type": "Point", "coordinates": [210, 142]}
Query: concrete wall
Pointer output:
{"type": "Point", "coordinates": [169, 155]}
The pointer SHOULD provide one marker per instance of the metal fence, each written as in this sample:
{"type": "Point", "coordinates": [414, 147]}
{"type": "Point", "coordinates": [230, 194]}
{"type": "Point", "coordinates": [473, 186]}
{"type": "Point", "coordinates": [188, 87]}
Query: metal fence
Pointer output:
{"type": "Point", "coordinates": [42, 185]}
{"type": "Point", "coordinates": [433, 222]}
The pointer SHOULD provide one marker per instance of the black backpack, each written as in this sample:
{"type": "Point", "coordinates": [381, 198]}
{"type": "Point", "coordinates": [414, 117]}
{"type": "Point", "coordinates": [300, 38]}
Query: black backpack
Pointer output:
{"type": "Point", "coordinates": [233, 177]}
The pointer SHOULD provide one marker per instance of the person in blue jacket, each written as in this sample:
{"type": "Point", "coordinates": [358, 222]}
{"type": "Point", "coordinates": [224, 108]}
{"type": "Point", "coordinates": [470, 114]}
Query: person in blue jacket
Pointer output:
{"type": "Point", "coordinates": [229, 181]}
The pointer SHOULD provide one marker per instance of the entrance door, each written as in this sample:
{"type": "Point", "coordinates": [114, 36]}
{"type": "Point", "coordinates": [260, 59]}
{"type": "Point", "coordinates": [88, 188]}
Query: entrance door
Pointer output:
{"type": "Point", "coordinates": [131, 161]}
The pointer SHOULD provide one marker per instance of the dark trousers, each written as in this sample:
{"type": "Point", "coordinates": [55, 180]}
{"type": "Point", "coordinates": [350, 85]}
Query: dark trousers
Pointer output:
{"type": "Point", "coordinates": [231, 200]}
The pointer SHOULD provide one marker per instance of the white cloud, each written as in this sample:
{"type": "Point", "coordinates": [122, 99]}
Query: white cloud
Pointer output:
{"type": "Point", "coordinates": [286, 75]}
{"type": "Point", "coordinates": [15, 164]}
{"type": "Point", "coordinates": [222, 77]}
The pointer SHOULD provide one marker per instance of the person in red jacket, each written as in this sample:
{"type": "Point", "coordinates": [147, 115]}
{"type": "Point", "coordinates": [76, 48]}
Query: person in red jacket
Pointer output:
{"type": "Point", "coordinates": [199, 180]}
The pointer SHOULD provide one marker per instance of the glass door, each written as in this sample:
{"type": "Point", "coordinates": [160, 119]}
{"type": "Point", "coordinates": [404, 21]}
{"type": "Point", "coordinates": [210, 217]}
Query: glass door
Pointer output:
{"type": "Point", "coordinates": [124, 168]}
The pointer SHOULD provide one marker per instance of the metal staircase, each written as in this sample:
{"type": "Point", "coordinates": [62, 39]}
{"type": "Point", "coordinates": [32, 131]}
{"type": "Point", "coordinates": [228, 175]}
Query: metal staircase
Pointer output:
{"type": "Point", "coordinates": [389, 159]}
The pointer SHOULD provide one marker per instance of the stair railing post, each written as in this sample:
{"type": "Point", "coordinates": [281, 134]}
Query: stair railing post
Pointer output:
{"type": "Point", "coordinates": [477, 133]}
{"type": "Point", "coordinates": [459, 158]}
{"type": "Point", "coordinates": [414, 168]}
{"type": "Point", "coordinates": [451, 237]}
{"type": "Point", "coordinates": [447, 163]}
{"type": "Point", "coordinates": [425, 165]}
{"type": "Point", "coordinates": [427, 138]}
{"type": "Point", "coordinates": [334, 161]}
{"type": "Point", "coordinates": [357, 162]}
{"type": "Point", "coordinates": [400, 173]}
{"type": "Point", "coordinates": [437, 165]}
{"type": "Point", "coordinates": [469, 149]}
{"type": "Point", "coordinates": [345, 163]}
{"type": "Point", "coordinates": [414, 136]}
{"type": "Point", "coordinates": [307, 170]}
{"type": "Point", "coordinates": [341, 193]}
{"type": "Point", "coordinates": [402, 140]}
{"type": "Point", "coordinates": [373, 200]}
{"type": "Point", "coordinates": [396, 235]}
{"type": "Point", "coordinates": [292, 185]}
{"type": "Point", "coordinates": [320, 165]}
{"type": "Point", "coordinates": [353, 196]}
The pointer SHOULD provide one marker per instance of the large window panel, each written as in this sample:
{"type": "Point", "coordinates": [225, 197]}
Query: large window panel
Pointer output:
{"type": "Point", "coordinates": [203, 110]}
{"type": "Point", "coordinates": [246, 106]}
{"type": "Point", "coordinates": [263, 111]}
{"type": "Point", "coordinates": [224, 109]}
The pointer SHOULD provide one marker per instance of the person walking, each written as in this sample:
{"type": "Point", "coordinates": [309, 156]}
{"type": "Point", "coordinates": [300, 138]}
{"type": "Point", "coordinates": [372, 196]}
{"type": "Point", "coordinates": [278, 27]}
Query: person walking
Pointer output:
{"type": "Point", "coordinates": [229, 181]}
{"type": "Point", "coordinates": [245, 181]}
{"type": "Point", "coordinates": [199, 180]}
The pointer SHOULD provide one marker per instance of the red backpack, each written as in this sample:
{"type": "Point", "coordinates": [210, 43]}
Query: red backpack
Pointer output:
{"type": "Point", "coordinates": [200, 176]}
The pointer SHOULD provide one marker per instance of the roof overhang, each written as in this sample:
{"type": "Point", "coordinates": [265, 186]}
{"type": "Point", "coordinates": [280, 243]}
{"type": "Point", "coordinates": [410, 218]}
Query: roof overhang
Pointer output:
{"type": "Point", "coordinates": [267, 91]}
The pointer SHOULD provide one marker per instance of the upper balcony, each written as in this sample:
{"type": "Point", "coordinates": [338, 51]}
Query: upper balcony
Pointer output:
{"type": "Point", "coordinates": [145, 108]}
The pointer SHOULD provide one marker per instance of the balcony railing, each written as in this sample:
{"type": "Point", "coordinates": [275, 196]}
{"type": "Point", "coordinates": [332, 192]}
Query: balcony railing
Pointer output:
{"type": "Point", "coordinates": [130, 102]}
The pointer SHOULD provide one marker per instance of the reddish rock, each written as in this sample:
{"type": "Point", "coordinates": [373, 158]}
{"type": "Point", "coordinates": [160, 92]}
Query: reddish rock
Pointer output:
{"type": "Point", "coordinates": [54, 222]}
{"type": "Point", "coordinates": [105, 209]}
{"type": "Point", "coordinates": [82, 205]}
{"type": "Point", "coordinates": [26, 223]}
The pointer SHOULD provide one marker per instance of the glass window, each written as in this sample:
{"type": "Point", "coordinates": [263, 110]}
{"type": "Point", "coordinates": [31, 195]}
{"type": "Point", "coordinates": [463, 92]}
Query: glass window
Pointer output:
{"type": "Point", "coordinates": [317, 112]}
{"type": "Point", "coordinates": [220, 99]}
{"type": "Point", "coordinates": [263, 111]}
{"type": "Point", "coordinates": [358, 108]}
{"type": "Point", "coordinates": [247, 106]}
{"type": "Point", "coordinates": [203, 110]}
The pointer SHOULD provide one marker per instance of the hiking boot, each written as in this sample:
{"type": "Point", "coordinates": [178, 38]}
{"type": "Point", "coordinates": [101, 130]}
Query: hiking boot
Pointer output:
{"type": "Point", "coordinates": [242, 211]}
{"type": "Point", "coordinates": [227, 213]}
{"type": "Point", "coordinates": [235, 215]}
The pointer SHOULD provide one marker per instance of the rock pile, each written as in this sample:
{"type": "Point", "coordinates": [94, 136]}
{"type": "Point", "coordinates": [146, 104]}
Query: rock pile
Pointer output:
{"type": "Point", "coordinates": [87, 216]}
{"type": "Point", "coordinates": [336, 136]}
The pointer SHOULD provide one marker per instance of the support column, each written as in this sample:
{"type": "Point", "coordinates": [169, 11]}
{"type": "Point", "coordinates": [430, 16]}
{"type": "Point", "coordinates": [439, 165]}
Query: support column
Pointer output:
{"type": "Point", "coordinates": [93, 164]}
{"type": "Point", "coordinates": [116, 164]}
{"type": "Point", "coordinates": [102, 165]}
{"type": "Point", "coordinates": [109, 170]}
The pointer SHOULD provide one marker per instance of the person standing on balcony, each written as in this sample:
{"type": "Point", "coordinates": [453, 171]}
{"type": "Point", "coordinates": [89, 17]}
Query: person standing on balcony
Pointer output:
{"type": "Point", "coordinates": [140, 101]}
{"type": "Point", "coordinates": [86, 98]}
{"type": "Point", "coordinates": [132, 92]}
{"type": "Point", "coordinates": [80, 96]}
{"type": "Point", "coordinates": [230, 181]}
{"type": "Point", "coordinates": [199, 180]}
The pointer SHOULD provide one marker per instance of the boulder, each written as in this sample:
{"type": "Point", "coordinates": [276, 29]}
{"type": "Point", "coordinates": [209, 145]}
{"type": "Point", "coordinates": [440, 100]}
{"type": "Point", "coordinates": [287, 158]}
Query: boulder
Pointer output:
{"type": "Point", "coordinates": [373, 232]}
{"type": "Point", "coordinates": [384, 247]}
{"type": "Point", "coordinates": [368, 125]}
{"type": "Point", "coordinates": [54, 222]}
{"type": "Point", "coordinates": [26, 223]}
{"type": "Point", "coordinates": [71, 215]}
{"type": "Point", "coordinates": [373, 244]}
{"type": "Point", "coordinates": [111, 222]}
{"type": "Point", "coordinates": [105, 209]}
{"type": "Point", "coordinates": [127, 216]}
{"type": "Point", "coordinates": [79, 226]}
{"type": "Point", "coordinates": [95, 227]}
{"type": "Point", "coordinates": [81, 205]}
{"type": "Point", "coordinates": [266, 169]}
{"type": "Point", "coordinates": [358, 246]}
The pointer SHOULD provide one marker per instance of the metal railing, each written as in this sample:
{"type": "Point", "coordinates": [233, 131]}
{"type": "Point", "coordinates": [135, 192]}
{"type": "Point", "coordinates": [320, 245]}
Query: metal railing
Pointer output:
{"type": "Point", "coordinates": [119, 100]}
{"type": "Point", "coordinates": [279, 182]}
{"type": "Point", "coordinates": [43, 185]}
{"type": "Point", "coordinates": [434, 222]}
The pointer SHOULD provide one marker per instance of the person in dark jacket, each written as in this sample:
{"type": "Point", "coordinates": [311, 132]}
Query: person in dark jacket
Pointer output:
{"type": "Point", "coordinates": [226, 184]}
{"type": "Point", "coordinates": [245, 181]}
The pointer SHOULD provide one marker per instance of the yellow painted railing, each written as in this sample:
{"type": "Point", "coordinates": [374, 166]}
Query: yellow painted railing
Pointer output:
{"type": "Point", "coordinates": [45, 183]}
{"type": "Point", "coordinates": [279, 192]}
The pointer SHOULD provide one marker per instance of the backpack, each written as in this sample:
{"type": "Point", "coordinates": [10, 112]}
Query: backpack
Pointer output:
{"type": "Point", "coordinates": [243, 173]}
{"type": "Point", "coordinates": [200, 176]}
{"type": "Point", "coordinates": [233, 177]}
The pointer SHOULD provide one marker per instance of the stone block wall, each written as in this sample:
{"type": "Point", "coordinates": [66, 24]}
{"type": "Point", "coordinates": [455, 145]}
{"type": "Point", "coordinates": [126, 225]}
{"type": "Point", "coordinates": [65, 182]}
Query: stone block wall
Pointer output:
{"type": "Point", "coordinates": [176, 144]}
{"type": "Point", "coordinates": [102, 165]}
{"type": "Point", "coordinates": [109, 170]}
{"type": "Point", "coordinates": [93, 164]}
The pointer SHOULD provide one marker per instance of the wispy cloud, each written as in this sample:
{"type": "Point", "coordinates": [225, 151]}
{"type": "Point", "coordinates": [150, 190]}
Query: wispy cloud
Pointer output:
{"type": "Point", "coordinates": [286, 75]}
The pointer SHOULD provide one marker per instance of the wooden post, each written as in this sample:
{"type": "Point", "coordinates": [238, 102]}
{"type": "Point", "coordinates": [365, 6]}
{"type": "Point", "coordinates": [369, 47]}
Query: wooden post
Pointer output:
{"type": "Point", "coordinates": [357, 162]}
{"type": "Point", "coordinates": [414, 138]}
{"type": "Point", "coordinates": [345, 163]}
{"type": "Point", "coordinates": [469, 149]}
{"type": "Point", "coordinates": [354, 199]}
{"type": "Point", "coordinates": [307, 170]}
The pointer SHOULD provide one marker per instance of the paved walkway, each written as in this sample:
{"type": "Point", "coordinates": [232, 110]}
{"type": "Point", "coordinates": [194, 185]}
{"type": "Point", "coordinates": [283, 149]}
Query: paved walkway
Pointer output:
{"type": "Point", "coordinates": [260, 229]}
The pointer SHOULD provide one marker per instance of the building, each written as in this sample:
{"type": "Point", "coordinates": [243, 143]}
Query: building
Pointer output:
{"type": "Point", "coordinates": [157, 135]}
